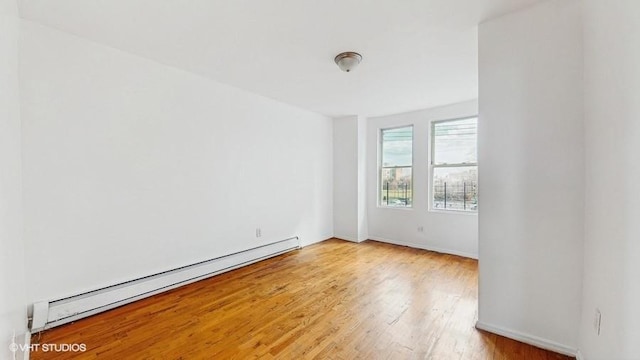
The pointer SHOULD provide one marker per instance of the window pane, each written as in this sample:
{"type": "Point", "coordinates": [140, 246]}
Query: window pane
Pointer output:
{"type": "Point", "coordinates": [455, 142]}
{"type": "Point", "coordinates": [455, 188]}
{"type": "Point", "coordinates": [396, 187]}
{"type": "Point", "coordinates": [397, 147]}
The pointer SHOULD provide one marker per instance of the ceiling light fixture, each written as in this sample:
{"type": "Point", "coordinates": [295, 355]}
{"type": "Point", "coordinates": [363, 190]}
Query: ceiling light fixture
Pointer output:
{"type": "Point", "coordinates": [347, 61]}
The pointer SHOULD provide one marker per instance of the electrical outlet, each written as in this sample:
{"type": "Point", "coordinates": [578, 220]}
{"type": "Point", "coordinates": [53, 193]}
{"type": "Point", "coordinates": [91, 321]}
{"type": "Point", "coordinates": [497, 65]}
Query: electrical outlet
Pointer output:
{"type": "Point", "coordinates": [420, 228]}
{"type": "Point", "coordinates": [597, 320]}
{"type": "Point", "coordinates": [258, 232]}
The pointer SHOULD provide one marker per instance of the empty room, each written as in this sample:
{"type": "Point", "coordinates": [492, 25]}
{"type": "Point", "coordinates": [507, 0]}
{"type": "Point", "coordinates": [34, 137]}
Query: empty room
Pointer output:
{"type": "Point", "coordinates": [411, 179]}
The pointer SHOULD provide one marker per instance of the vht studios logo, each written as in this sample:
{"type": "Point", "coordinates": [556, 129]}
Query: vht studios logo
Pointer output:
{"type": "Point", "coordinates": [48, 347]}
{"type": "Point", "coordinates": [14, 347]}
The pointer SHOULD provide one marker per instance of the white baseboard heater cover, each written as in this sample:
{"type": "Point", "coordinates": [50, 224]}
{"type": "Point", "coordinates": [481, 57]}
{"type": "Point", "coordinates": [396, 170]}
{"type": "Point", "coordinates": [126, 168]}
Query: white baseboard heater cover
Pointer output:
{"type": "Point", "coordinates": [53, 313]}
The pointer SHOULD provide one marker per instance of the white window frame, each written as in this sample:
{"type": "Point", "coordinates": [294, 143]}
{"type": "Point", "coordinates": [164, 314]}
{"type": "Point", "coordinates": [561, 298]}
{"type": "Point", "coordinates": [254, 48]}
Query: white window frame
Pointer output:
{"type": "Point", "coordinates": [433, 166]}
{"type": "Point", "coordinates": [379, 189]}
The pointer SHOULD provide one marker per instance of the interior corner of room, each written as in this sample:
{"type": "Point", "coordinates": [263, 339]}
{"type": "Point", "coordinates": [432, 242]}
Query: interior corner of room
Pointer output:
{"type": "Point", "coordinates": [138, 155]}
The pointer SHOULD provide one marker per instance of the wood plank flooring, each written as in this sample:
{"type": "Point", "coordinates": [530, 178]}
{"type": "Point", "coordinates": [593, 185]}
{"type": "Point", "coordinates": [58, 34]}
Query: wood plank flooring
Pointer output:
{"type": "Point", "coordinates": [332, 300]}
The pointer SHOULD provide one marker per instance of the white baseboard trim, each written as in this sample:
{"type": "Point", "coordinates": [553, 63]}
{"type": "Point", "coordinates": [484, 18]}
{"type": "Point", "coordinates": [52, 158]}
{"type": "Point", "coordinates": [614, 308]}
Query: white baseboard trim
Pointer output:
{"type": "Point", "coordinates": [528, 339]}
{"type": "Point", "coordinates": [579, 355]}
{"type": "Point", "coordinates": [304, 243]}
{"type": "Point", "coordinates": [346, 238]}
{"type": "Point", "coordinates": [425, 247]}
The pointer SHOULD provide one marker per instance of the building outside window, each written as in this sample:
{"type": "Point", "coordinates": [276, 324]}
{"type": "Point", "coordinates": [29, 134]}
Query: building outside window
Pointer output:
{"type": "Point", "coordinates": [396, 167]}
{"type": "Point", "coordinates": [454, 165]}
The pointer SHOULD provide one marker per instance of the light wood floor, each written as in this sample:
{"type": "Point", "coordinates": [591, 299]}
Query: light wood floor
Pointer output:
{"type": "Point", "coordinates": [333, 300]}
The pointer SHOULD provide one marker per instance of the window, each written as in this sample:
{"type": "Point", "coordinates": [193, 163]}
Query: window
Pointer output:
{"type": "Point", "coordinates": [454, 164]}
{"type": "Point", "coordinates": [396, 162]}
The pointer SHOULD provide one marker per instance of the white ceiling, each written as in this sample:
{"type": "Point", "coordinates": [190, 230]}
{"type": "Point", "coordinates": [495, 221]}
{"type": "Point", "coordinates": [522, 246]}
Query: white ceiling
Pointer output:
{"type": "Point", "coordinates": [416, 53]}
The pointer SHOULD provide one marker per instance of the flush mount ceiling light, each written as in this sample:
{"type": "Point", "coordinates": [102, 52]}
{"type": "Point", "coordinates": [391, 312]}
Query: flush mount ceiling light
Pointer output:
{"type": "Point", "coordinates": [347, 61]}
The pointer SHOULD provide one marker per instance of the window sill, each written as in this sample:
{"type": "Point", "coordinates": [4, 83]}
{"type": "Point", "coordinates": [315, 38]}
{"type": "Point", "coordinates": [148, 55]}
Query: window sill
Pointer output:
{"type": "Point", "coordinates": [454, 212]}
{"type": "Point", "coordinates": [395, 208]}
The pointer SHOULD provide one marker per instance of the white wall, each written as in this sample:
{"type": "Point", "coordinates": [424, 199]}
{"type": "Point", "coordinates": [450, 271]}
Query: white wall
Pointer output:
{"type": "Point", "coordinates": [363, 214]}
{"type": "Point", "coordinates": [349, 181]}
{"type": "Point", "coordinates": [612, 246]}
{"type": "Point", "coordinates": [531, 174]}
{"type": "Point", "coordinates": [13, 309]}
{"type": "Point", "coordinates": [131, 167]}
{"type": "Point", "coordinates": [453, 233]}
{"type": "Point", "coordinates": [345, 180]}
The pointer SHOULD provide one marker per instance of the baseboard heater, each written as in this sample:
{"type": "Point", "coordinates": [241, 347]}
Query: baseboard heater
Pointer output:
{"type": "Point", "coordinates": [48, 314]}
